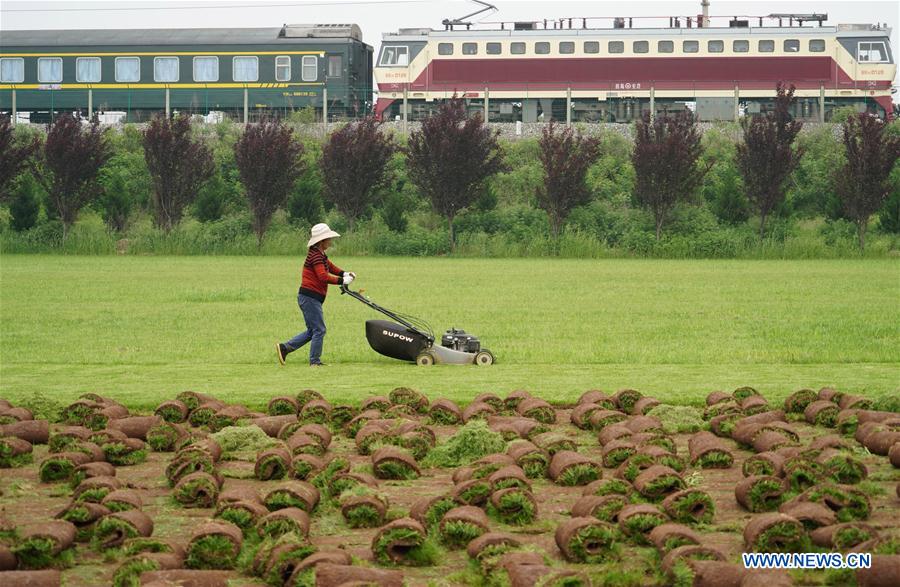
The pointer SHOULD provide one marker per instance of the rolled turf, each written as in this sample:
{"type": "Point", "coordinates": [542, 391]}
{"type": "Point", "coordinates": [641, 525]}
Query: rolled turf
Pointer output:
{"type": "Point", "coordinates": [197, 490]}
{"type": "Point", "coordinates": [461, 525]}
{"type": "Point", "coordinates": [60, 466]}
{"type": "Point", "coordinates": [272, 463]}
{"type": "Point", "coordinates": [637, 520]}
{"type": "Point", "coordinates": [391, 462]}
{"type": "Point", "coordinates": [587, 540]}
{"type": "Point", "coordinates": [402, 542]}
{"type": "Point", "coordinates": [690, 506]}
{"type": "Point", "coordinates": [214, 545]}
{"type": "Point", "coordinates": [569, 468]}
{"type": "Point", "coordinates": [299, 494]}
{"type": "Point", "coordinates": [658, 481]}
{"type": "Point", "coordinates": [775, 532]}
{"type": "Point", "coordinates": [14, 452]}
{"type": "Point", "coordinates": [114, 529]}
{"type": "Point", "coordinates": [760, 493]}
{"type": "Point", "coordinates": [42, 546]}
{"type": "Point", "coordinates": [364, 509]}
{"type": "Point", "coordinates": [533, 460]}
{"type": "Point", "coordinates": [514, 505]}
{"type": "Point", "coordinates": [603, 507]}
{"type": "Point", "coordinates": [283, 521]}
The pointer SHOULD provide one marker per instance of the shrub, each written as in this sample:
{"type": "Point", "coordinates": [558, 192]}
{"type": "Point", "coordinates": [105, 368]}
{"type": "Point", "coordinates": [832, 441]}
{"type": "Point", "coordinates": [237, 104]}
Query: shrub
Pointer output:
{"type": "Point", "coordinates": [25, 207]}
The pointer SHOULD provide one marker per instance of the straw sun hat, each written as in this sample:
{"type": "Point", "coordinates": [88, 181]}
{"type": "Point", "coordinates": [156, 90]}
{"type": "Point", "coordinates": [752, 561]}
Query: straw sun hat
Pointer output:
{"type": "Point", "coordinates": [319, 233]}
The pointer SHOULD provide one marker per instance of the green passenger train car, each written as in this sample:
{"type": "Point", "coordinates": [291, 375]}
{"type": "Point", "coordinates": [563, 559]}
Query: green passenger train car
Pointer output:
{"type": "Point", "coordinates": [237, 72]}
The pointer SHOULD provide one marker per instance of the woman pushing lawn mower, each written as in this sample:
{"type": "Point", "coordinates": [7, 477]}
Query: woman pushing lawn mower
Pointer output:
{"type": "Point", "coordinates": [318, 272]}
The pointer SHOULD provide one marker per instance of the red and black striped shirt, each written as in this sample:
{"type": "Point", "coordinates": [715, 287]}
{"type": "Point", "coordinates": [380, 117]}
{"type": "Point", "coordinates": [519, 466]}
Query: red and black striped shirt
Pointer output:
{"type": "Point", "coordinates": [318, 272]}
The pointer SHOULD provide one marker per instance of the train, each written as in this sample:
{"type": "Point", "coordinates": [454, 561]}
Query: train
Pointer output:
{"type": "Point", "coordinates": [567, 69]}
{"type": "Point", "coordinates": [239, 73]}
{"type": "Point", "coordinates": [576, 69]}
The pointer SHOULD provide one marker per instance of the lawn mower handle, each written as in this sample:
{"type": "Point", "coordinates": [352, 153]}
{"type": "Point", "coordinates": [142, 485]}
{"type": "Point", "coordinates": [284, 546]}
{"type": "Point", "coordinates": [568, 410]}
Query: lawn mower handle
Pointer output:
{"type": "Point", "coordinates": [385, 311]}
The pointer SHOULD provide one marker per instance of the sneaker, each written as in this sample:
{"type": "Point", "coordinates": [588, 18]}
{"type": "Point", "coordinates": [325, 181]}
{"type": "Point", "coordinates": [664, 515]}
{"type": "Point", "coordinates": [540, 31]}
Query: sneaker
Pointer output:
{"type": "Point", "coordinates": [282, 352]}
{"type": "Point", "coordinates": [317, 364]}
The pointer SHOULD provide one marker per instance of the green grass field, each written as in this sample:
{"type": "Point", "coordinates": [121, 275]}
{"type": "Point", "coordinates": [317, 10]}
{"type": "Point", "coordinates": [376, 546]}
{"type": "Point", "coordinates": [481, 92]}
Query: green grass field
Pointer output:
{"type": "Point", "coordinates": [141, 329]}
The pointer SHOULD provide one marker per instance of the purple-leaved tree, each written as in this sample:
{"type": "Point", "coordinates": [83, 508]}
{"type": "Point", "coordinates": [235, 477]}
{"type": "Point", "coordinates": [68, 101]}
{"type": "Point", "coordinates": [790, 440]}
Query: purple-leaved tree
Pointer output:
{"type": "Point", "coordinates": [566, 158]}
{"type": "Point", "coordinates": [354, 166]}
{"type": "Point", "coordinates": [69, 166]}
{"type": "Point", "coordinates": [179, 165]}
{"type": "Point", "coordinates": [269, 159]}
{"type": "Point", "coordinates": [767, 157]}
{"type": "Point", "coordinates": [14, 156]}
{"type": "Point", "coordinates": [451, 157]}
{"type": "Point", "coordinates": [863, 182]}
{"type": "Point", "coordinates": [666, 163]}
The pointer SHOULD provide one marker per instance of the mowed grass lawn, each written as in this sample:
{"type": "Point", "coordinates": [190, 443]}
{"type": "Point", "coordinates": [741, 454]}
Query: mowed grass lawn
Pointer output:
{"type": "Point", "coordinates": [142, 329]}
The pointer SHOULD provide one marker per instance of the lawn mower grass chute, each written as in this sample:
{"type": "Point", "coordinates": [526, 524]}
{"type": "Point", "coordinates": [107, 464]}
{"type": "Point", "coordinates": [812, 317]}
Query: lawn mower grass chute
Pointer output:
{"type": "Point", "coordinates": [408, 338]}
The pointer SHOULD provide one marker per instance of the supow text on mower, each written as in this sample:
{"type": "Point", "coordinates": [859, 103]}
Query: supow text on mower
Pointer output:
{"type": "Point", "coordinates": [396, 335]}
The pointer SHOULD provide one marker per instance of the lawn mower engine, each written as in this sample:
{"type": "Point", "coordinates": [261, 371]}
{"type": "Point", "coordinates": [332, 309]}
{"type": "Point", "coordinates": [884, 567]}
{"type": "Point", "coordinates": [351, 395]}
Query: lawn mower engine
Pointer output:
{"type": "Point", "coordinates": [458, 340]}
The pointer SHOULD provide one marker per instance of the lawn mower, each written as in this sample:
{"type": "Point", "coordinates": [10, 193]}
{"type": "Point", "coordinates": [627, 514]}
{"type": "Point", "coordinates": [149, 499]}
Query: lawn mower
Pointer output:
{"type": "Point", "coordinates": [408, 338]}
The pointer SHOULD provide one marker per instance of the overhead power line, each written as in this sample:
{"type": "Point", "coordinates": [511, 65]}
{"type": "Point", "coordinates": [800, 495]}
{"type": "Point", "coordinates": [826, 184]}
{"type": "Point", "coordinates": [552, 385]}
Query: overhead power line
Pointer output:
{"type": "Point", "coordinates": [214, 7]}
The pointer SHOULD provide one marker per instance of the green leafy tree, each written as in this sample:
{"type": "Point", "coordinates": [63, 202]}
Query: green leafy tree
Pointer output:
{"type": "Point", "coordinates": [863, 183]}
{"type": "Point", "coordinates": [451, 157]}
{"type": "Point", "coordinates": [305, 202]}
{"type": "Point", "coordinates": [722, 188]}
{"type": "Point", "coordinates": [116, 202]}
{"type": "Point", "coordinates": [812, 190]}
{"type": "Point", "coordinates": [25, 205]}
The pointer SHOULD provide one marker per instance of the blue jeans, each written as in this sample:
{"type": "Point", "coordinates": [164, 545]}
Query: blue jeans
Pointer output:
{"type": "Point", "coordinates": [315, 329]}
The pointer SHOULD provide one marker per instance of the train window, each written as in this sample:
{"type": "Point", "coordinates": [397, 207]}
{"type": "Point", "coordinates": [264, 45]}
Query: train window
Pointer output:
{"type": "Point", "coordinates": [283, 68]}
{"type": "Point", "coordinates": [690, 46]}
{"type": "Point", "coordinates": [87, 70]}
{"type": "Point", "coordinates": [445, 48]}
{"type": "Point", "coordinates": [128, 69]}
{"type": "Point", "coordinates": [494, 48]}
{"type": "Point", "coordinates": [665, 46]}
{"type": "Point", "coordinates": [872, 53]}
{"type": "Point", "coordinates": [741, 46]}
{"type": "Point", "coordinates": [165, 69]}
{"type": "Point", "coordinates": [567, 47]}
{"type": "Point", "coordinates": [335, 66]}
{"type": "Point", "coordinates": [767, 46]}
{"type": "Point", "coordinates": [206, 69]}
{"type": "Point", "coordinates": [245, 69]}
{"type": "Point", "coordinates": [50, 70]}
{"type": "Point", "coordinates": [641, 47]}
{"type": "Point", "coordinates": [395, 55]}
{"type": "Point", "coordinates": [792, 45]}
{"type": "Point", "coordinates": [616, 46]}
{"type": "Point", "coordinates": [715, 46]}
{"type": "Point", "coordinates": [310, 68]}
{"type": "Point", "coordinates": [517, 48]}
{"type": "Point", "coordinates": [591, 46]}
{"type": "Point", "coordinates": [470, 49]}
{"type": "Point", "coordinates": [12, 70]}
{"type": "Point", "coordinates": [542, 48]}
{"type": "Point", "coordinates": [817, 45]}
